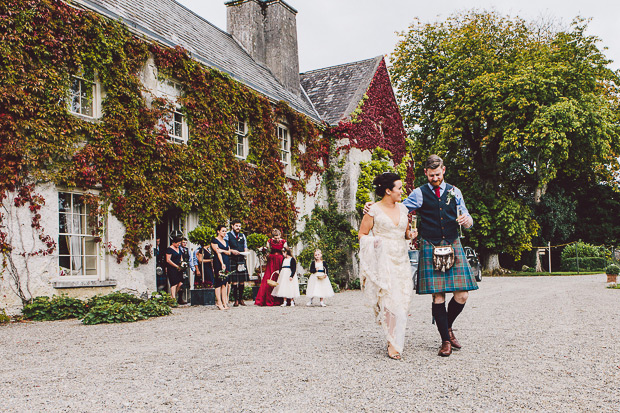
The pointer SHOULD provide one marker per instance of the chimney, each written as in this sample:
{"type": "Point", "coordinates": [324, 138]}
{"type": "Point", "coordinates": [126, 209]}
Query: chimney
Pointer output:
{"type": "Point", "coordinates": [267, 29]}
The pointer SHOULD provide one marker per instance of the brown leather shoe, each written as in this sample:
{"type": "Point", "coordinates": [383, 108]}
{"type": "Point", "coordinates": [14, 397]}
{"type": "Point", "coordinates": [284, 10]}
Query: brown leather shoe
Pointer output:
{"type": "Point", "coordinates": [445, 350]}
{"type": "Point", "coordinates": [242, 303]}
{"type": "Point", "coordinates": [236, 304]}
{"type": "Point", "coordinates": [453, 341]}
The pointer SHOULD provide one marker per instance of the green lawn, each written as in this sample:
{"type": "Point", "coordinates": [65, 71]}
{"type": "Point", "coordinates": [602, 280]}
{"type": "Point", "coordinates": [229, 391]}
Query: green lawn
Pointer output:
{"type": "Point", "coordinates": [536, 274]}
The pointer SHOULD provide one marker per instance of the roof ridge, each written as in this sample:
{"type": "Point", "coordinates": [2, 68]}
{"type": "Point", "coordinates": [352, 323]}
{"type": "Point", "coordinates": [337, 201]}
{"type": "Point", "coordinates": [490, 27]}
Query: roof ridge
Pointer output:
{"type": "Point", "coordinates": [342, 65]}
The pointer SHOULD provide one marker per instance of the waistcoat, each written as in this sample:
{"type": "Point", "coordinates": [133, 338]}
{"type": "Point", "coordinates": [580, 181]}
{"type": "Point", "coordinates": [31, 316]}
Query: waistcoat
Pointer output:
{"type": "Point", "coordinates": [438, 219]}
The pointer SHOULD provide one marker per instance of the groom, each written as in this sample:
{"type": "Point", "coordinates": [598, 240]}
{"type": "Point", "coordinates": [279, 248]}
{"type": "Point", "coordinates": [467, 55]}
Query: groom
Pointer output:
{"type": "Point", "coordinates": [437, 204]}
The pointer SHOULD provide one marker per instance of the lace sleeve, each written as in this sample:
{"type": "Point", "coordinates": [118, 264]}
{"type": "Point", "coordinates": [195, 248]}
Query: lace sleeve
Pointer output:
{"type": "Point", "coordinates": [373, 210]}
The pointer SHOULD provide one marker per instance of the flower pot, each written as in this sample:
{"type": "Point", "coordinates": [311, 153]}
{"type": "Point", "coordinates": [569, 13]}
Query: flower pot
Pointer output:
{"type": "Point", "coordinates": [205, 296]}
{"type": "Point", "coordinates": [612, 278]}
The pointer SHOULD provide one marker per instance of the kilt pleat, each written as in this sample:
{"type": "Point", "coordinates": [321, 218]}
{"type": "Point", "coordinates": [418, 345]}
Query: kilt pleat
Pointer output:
{"type": "Point", "coordinates": [457, 278]}
{"type": "Point", "coordinates": [238, 276]}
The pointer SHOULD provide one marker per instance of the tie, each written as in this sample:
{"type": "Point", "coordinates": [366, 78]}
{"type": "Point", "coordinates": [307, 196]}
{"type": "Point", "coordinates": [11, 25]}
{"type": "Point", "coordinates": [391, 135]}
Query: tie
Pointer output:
{"type": "Point", "coordinates": [437, 189]}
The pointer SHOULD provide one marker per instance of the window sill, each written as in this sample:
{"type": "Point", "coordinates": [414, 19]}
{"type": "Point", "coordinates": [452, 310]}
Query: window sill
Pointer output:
{"type": "Point", "coordinates": [60, 284]}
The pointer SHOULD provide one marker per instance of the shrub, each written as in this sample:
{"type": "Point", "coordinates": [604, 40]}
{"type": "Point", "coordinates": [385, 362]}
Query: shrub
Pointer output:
{"type": "Point", "coordinates": [256, 241]}
{"type": "Point", "coordinates": [585, 264]}
{"type": "Point", "coordinates": [155, 308]}
{"type": "Point", "coordinates": [114, 312]}
{"type": "Point", "coordinates": [3, 317]}
{"type": "Point", "coordinates": [59, 307]}
{"type": "Point", "coordinates": [118, 297]}
{"type": "Point", "coordinates": [335, 286]}
{"type": "Point", "coordinates": [612, 269]}
{"type": "Point", "coordinates": [583, 250]}
{"type": "Point", "coordinates": [164, 298]}
{"type": "Point", "coordinates": [355, 284]}
{"type": "Point", "coordinates": [201, 235]}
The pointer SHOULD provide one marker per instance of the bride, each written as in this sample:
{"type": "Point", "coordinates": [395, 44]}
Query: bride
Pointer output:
{"type": "Point", "coordinates": [385, 272]}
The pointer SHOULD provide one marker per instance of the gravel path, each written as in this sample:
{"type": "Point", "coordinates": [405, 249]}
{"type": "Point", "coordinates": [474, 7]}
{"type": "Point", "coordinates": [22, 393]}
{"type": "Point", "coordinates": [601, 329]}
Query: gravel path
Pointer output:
{"type": "Point", "coordinates": [543, 344]}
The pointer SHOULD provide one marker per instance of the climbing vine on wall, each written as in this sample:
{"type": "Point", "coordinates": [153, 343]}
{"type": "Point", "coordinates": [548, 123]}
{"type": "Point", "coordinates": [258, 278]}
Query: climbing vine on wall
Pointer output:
{"type": "Point", "coordinates": [124, 158]}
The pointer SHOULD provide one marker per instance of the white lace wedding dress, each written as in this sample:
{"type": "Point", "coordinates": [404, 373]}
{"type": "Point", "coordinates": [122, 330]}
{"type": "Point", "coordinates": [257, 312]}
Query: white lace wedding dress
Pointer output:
{"type": "Point", "coordinates": [385, 273]}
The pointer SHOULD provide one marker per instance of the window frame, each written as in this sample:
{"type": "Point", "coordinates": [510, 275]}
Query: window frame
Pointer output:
{"type": "Point", "coordinates": [95, 98]}
{"type": "Point", "coordinates": [172, 90]}
{"type": "Point", "coordinates": [284, 144]}
{"type": "Point", "coordinates": [84, 236]}
{"type": "Point", "coordinates": [241, 139]}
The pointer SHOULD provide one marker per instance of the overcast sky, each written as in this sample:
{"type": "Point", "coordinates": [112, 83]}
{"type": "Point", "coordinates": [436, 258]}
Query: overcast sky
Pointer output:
{"type": "Point", "coordinates": [332, 32]}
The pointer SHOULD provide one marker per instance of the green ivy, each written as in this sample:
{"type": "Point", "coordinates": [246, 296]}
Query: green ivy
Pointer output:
{"type": "Point", "coordinates": [125, 155]}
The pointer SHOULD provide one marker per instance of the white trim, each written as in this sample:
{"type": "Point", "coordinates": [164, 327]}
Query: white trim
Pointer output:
{"type": "Point", "coordinates": [241, 139]}
{"type": "Point", "coordinates": [95, 98]}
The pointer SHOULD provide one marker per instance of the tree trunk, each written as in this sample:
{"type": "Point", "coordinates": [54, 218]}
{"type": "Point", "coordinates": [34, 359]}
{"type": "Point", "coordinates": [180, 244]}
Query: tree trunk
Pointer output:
{"type": "Point", "coordinates": [538, 263]}
{"type": "Point", "coordinates": [491, 262]}
{"type": "Point", "coordinates": [539, 192]}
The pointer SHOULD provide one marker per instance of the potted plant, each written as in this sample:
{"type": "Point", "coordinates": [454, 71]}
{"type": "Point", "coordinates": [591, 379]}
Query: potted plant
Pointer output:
{"type": "Point", "coordinates": [612, 273]}
{"type": "Point", "coordinates": [202, 292]}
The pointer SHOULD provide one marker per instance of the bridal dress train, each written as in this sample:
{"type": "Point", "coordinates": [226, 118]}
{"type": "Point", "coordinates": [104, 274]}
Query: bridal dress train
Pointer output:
{"type": "Point", "coordinates": [385, 273]}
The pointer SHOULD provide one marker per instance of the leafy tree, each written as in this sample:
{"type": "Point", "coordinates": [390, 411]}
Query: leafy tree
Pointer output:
{"type": "Point", "coordinates": [509, 105]}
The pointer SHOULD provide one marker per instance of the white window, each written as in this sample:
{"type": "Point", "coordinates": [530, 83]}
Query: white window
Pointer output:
{"type": "Point", "coordinates": [174, 124]}
{"type": "Point", "coordinates": [78, 251]}
{"type": "Point", "coordinates": [241, 140]}
{"type": "Point", "coordinates": [174, 121]}
{"type": "Point", "coordinates": [285, 145]}
{"type": "Point", "coordinates": [84, 98]}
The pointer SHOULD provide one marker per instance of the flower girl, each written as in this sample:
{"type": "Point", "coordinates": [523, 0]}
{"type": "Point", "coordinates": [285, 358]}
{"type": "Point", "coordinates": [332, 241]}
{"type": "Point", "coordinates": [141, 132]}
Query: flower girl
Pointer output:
{"type": "Point", "coordinates": [319, 285]}
{"type": "Point", "coordinates": [288, 284]}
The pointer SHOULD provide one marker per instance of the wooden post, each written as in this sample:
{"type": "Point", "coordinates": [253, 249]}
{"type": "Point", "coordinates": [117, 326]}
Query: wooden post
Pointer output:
{"type": "Point", "coordinates": [549, 257]}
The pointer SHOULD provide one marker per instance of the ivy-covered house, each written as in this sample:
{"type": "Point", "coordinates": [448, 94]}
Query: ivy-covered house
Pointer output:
{"type": "Point", "coordinates": [124, 120]}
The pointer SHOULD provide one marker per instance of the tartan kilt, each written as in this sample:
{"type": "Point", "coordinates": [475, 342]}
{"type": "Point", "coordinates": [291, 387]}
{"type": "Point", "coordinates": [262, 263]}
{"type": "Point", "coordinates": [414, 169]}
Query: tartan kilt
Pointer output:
{"type": "Point", "coordinates": [238, 276]}
{"type": "Point", "coordinates": [457, 278]}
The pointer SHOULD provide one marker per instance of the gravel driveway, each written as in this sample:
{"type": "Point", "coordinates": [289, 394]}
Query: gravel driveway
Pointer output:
{"type": "Point", "coordinates": [544, 344]}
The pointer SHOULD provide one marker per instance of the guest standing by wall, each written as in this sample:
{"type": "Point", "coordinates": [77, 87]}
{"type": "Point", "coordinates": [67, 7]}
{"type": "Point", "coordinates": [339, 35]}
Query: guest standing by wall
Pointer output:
{"type": "Point", "coordinates": [238, 248]}
{"type": "Point", "coordinates": [174, 262]}
{"type": "Point", "coordinates": [319, 284]}
{"type": "Point", "coordinates": [221, 267]}
{"type": "Point", "coordinates": [274, 261]}
{"type": "Point", "coordinates": [288, 283]}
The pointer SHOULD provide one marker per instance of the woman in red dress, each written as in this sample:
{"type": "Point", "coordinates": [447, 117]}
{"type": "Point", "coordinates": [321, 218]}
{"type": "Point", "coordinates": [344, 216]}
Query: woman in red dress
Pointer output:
{"type": "Point", "coordinates": [274, 261]}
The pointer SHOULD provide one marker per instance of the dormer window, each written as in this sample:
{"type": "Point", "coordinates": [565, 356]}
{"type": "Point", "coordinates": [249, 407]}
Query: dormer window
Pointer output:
{"type": "Point", "coordinates": [84, 98]}
{"type": "Point", "coordinates": [241, 140]}
{"type": "Point", "coordinates": [174, 121]}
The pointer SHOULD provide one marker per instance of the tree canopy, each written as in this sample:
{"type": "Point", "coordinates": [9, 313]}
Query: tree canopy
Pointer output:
{"type": "Point", "coordinates": [509, 105]}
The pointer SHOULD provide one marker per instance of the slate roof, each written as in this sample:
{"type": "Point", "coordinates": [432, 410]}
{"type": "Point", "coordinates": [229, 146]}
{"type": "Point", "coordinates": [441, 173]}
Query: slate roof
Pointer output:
{"type": "Point", "coordinates": [336, 91]}
{"type": "Point", "coordinates": [171, 24]}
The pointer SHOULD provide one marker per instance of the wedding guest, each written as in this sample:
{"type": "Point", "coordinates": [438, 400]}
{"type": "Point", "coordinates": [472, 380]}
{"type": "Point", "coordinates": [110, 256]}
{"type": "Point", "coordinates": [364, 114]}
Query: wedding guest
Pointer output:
{"type": "Point", "coordinates": [204, 255]}
{"type": "Point", "coordinates": [238, 265]}
{"type": "Point", "coordinates": [275, 244]}
{"type": "Point", "coordinates": [319, 284]}
{"type": "Point", "coordinates": [288, 283]}
{"type": "Point", "coordinates": [174, 260]}
{"type": "Point", "coordinates": [221, 267]}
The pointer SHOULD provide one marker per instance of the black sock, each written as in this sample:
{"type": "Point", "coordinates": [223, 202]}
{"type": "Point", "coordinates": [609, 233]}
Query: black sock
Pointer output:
{"type": "Point", "coordinates": [240, 289]}
{"type": "Point", "coordinates": [234, 291]}
{"type": "Point", "coordinates": [454, 309]}
{"type": "Point", "coordinates": [441, 318]}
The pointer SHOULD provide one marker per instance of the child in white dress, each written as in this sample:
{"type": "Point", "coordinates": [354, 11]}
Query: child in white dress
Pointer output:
{"type": "Point", "coordinates": [288, 283]}
{"type": "Point", "coordinates": [319, 285]}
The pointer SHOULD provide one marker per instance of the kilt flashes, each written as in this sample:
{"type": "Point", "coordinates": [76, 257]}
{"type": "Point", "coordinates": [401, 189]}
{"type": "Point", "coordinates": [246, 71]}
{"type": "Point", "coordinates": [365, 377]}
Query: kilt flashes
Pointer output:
{"type": "Point", "coordinates": [457, 278]}
{"type": "Point", "coordinates": [238, 276]}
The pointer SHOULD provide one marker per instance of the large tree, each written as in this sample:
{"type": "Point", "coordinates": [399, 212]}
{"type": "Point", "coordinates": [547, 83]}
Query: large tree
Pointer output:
{"type": "Point", "coordinates": [508, 104]}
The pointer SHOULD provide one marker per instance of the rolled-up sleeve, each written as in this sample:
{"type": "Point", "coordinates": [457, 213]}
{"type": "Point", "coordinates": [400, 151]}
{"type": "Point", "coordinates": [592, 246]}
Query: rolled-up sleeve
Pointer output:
{"type": "Point", "coordinates": [414, 200]}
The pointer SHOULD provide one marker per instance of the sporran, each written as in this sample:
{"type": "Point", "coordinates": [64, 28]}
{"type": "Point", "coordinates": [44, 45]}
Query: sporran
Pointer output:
{"type": "Point", "coordinates": [443, 257]}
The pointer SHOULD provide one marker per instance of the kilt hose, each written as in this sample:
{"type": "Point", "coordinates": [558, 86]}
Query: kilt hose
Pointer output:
{"type": "Point", "coordinates": [457, 278]}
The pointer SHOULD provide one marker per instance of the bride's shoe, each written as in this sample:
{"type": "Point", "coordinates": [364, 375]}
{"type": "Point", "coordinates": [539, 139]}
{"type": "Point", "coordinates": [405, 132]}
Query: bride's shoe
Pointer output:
{"type": "Point", "coordinates": [393, 356]}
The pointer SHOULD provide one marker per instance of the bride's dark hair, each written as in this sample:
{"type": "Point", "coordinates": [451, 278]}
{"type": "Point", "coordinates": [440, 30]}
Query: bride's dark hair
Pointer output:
{"type": "Point", "coordinates": [384, 181]}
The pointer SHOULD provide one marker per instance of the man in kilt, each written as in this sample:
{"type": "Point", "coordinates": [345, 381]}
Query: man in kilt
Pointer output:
{"type": "Point", "coordinates": [438, 204]}
{"type": "Point", "coordinates": [238, 244]}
